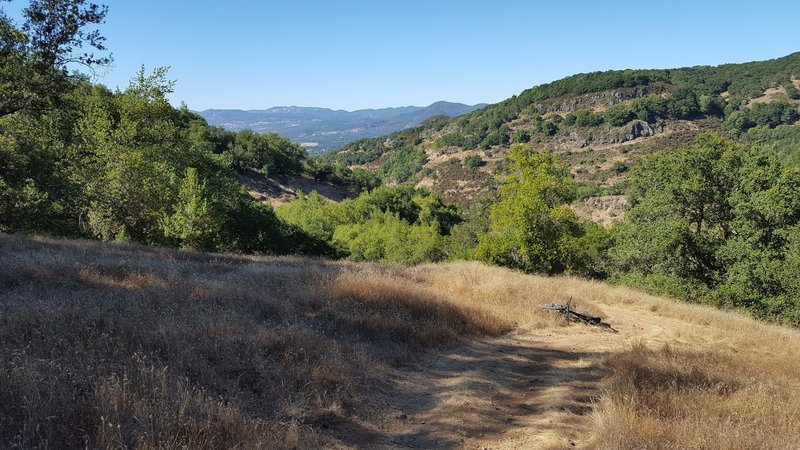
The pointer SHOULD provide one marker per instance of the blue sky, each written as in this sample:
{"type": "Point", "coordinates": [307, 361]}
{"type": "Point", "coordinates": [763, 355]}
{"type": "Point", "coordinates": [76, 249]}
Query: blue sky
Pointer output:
{"type": "Point", "coordinates": [365, 54]}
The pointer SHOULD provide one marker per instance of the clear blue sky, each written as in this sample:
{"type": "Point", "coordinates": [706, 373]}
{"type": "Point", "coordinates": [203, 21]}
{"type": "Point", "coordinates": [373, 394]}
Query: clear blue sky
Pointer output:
{"type": "Point", "coordinates": [365, 54]}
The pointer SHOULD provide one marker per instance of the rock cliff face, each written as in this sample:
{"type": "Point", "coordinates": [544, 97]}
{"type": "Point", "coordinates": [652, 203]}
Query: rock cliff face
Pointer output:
{"type": "Point", "coordinates": [643, 129]}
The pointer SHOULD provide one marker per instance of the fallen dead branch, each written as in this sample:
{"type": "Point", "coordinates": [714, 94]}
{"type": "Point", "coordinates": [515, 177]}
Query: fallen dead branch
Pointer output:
{"type": "Point", "coordinates": [572, 315]}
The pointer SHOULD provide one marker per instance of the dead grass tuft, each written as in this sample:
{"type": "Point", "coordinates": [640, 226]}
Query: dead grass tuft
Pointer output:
{"type": "Point", "coordinates": [391, 308]}
{"type": "Point", "coordinates": [682, 398]}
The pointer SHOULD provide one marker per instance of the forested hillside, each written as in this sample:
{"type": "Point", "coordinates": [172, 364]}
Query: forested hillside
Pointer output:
{"type": "Point", "coordinates": [600, 124]}
{"type": "Point", "coordinates": [701, 162]}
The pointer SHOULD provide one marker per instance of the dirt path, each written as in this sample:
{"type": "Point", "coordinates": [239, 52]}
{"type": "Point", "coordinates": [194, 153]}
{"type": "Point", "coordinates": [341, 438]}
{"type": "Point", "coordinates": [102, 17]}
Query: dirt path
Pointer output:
{"type": "Point", "coordinates": [527, 390]}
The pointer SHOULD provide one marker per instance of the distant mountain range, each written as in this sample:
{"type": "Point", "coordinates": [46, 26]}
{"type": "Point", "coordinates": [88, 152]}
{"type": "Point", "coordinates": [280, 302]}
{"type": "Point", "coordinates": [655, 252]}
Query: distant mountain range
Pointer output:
{"type": "Point", "coordinates": [321, 130]}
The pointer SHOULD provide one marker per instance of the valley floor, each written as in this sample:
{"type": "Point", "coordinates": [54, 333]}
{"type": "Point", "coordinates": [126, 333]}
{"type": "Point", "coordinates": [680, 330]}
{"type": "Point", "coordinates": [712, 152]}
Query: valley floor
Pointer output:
{"type": "Point", "coordinates": [121, 346]}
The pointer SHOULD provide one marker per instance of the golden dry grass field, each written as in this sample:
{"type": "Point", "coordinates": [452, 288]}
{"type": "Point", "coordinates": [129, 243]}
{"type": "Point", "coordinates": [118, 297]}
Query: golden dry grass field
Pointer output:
{"type": "Point", "coordinates": [122, 346]}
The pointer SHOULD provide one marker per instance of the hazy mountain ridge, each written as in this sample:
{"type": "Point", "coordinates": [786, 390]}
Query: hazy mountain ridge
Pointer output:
{"type": "Point", "coordinates": [324, 129]}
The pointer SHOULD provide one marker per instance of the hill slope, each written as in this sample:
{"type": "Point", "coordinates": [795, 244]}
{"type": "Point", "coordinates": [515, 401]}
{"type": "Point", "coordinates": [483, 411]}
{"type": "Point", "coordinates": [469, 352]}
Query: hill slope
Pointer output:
{"type": "Point", "coordinates": [322, 129]}
{"type": "Point", "coordinates": [599, 123]}
{"type": "Point", "coordinates": [124, 346]}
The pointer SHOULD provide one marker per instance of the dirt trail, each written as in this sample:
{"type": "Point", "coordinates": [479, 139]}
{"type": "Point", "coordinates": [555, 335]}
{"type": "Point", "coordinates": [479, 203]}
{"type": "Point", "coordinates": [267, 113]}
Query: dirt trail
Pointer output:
{"type": "Point", "coordinates": [530, 389]}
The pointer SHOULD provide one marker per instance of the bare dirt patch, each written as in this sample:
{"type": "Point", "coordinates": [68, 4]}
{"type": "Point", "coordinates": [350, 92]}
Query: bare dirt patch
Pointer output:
{"type": "Point", "coordinates": [770, 95]}
{"type": "Point", "coordinates": [605, 210]}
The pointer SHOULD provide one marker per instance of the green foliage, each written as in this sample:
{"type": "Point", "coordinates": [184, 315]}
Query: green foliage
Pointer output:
{"type": "Point", "coordinates": [531, 228]}
{"type": "Point", "coordinates": [587, 118]}
{"type": "Point", "coordinates": [268, 153]}
{"type": "Point", "coordinates": [548, 127]}
{"type": "Point", "coordinates": [193, 223]}
{"type": "Point", "coordinates": [473, 161]}
{"type": "Point", "coordinates": [355, 180]}
{"type": "Point", "coordinates": [387, 237]}
{"type": "Point", "coordinates": [129, 166]}
{"type": "Point", "coordinates": [619, 115]}
{"type": "Point", "coordinates": [586, 190]}
{"type": "Point", "coordinates": [683, 103]}
{"type": "Point", "coordinates": [619, 167]}
{"type": "Point", "coordinates": [35, 57]}
{"type": "Point", "coordinates": [404, 164]}
{"type": "Point", "coordinates": [791, 91]}
{"type": "Point", "coordinates": [650, 108]}
{"type": "Point", "coordinates": [712, 105]}
{"type": "Point", "coordinates": [521, 137]}
{"type": "Point", "coordinates": [454, 140]}
{"type": "Point", "coordinates": [400, 224]}
{"type": "Point", "coordinates": [769, 115]}
{"type": "Point", "coordinates": [715, 222]}
{"type": "Point", "coordinates": [463, 238]}
{"type": "Point", "coordinates": [782, 141]}
{"type": "Point", "coordinates": [688, 93]}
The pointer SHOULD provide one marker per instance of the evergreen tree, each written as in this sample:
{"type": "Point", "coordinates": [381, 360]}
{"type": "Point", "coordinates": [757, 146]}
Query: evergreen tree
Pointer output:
{"type": "Point", "coordinates": [193, 223]}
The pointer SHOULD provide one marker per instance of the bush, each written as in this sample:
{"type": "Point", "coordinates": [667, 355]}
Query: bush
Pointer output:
{"type": "Point", "coordinates": [619, 167]}
{"type": "Point", "coordinates": [474, 161]}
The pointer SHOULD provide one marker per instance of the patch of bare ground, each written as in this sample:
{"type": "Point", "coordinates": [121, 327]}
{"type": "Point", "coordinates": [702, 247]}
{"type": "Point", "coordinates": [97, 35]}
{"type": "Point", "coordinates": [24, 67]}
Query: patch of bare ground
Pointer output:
{"type": "Point", "coordinates": [770, 95]}
{"type": "Point", "coordinates": [284, 189]}
{"type": "Point", "coordinates": [605, 210]}
{"type": "Point", "coordinates": [457, 183]}
{"type": "Point", "coordinates": [120, 346]}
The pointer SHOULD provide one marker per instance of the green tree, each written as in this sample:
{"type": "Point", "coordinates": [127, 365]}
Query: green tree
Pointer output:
{"type": "Point", "coordinates": [268, 153]}
{"type": "Point", "coordinates": [473, 161]}
{"type": "Point", "coordinates": [531, 228]}
{"type": "Point", "coordinates": [193, 223]}
{"type": "Point", "coordinates": [618, 115]}
{"type": "Point", "coordinates": [716, 222]}
{"type": "Point", "coordinates": [386, 237]}
{"type": "Point", "coordinates": [35, 58]}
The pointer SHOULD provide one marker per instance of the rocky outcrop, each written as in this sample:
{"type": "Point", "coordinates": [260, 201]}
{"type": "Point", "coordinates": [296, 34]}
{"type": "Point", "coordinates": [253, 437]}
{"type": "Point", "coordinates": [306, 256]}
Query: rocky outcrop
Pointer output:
{"type": "Point", "coordinates": [643, 129]}
{"type": "Point", "coordinates": [637, 129]}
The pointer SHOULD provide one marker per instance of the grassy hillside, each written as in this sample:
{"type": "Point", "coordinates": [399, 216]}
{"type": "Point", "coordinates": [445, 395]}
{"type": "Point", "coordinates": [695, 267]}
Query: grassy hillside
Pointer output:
{"type": "Point", "coordinates": [123, 346]}
{"type": "Point", "coordinates": [600, 123]}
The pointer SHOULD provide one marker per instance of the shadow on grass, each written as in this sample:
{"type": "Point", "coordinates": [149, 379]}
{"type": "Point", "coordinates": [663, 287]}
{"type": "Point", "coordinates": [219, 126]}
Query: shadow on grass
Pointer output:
{"type": "Point", "coordinates": [299, 352]}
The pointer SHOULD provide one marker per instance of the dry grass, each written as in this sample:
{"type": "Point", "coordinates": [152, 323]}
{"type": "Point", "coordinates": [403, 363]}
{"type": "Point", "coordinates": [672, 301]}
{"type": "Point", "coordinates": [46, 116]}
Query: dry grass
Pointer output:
{"type": "Point", "coordinates": [724, 381]}
{"type": "Point", "coordinates": [117, 346]}
{"type": "Point", "coordinates": [505, 294]}
{"type": "Point", "coordinates": [120, 346]}
{"type": "Point", "coordinates": [670, 398]}
{"type": "Point", "coordinates": [709, 379]}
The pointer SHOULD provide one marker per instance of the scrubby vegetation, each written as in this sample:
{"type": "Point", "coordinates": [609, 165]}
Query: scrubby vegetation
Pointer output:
{"type": "Point", "coordinates": [79, 160]}
{"type": "Point", "coordinates": [646, 95]}
{"type": "Point", "coordinates": [400, 225]}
